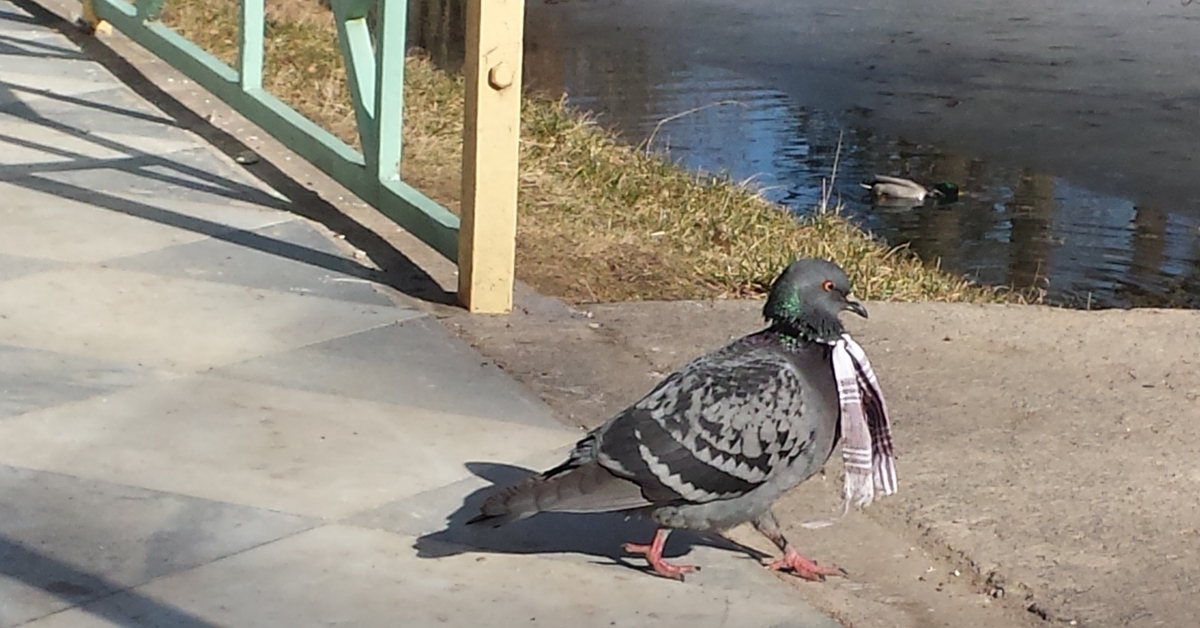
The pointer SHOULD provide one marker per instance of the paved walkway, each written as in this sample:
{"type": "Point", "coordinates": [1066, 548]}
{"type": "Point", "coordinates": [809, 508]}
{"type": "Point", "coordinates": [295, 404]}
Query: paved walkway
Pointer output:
{"type": "Point", "coordinates": [211, 416]}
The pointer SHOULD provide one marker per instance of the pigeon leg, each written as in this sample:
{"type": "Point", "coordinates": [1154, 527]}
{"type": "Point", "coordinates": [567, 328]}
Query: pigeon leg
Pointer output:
{"type": "Point", "coordinates": [792, 560]}
{"type": "Point", "coordinates": [653, 553]}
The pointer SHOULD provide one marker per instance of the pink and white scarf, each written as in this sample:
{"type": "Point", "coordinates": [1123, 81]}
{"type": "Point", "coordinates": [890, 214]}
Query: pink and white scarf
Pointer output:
{"type": "Point", "coordinates": [866, 430]}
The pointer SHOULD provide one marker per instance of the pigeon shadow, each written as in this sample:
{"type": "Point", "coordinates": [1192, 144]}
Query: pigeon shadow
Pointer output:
{"type": "Point", "coordinates": [599, 535]}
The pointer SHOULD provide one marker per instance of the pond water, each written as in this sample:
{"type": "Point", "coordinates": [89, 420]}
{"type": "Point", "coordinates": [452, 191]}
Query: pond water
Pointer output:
{"type": "Point", "coordinates": [1072, 131]}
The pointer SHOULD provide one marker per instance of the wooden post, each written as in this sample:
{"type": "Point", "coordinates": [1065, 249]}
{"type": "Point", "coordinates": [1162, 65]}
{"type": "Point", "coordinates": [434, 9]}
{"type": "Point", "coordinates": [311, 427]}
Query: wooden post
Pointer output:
{"type": "Point", "coordinates": [91, 21]}
{"type": "Point", "coordinates": [491, 136]}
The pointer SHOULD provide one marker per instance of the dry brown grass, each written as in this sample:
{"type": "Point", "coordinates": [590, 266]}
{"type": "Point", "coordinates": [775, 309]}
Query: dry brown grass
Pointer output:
{"type": "Point", "coordinates": [599, 220]}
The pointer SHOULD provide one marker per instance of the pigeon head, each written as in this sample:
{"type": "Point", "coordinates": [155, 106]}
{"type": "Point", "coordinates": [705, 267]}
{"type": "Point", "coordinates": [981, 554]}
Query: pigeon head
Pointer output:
{"type": "Point", "coordinates": [808, 297]}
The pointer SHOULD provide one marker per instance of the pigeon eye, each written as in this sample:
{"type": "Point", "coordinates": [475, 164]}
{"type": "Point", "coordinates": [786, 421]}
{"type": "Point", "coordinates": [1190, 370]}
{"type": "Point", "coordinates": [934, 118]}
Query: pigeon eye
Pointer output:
{"type": "Point", "coordinates": [827, 286]}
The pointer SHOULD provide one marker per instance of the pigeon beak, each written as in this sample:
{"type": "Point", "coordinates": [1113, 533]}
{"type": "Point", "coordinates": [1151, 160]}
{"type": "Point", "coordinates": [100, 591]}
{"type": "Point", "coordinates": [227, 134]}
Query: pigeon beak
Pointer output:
{"type": "Point", "coordinates": [856, 307]}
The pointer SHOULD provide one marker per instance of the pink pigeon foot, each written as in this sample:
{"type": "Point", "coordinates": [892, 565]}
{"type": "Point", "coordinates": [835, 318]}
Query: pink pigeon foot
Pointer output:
{"type": "Point", "coordinates": [653, 553]}
{"type": "Point", "coordinates": [809, 570]}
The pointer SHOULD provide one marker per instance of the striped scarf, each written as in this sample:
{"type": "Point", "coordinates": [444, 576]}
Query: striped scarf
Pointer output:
{"type": "Point", "coordinates": [866, 431]}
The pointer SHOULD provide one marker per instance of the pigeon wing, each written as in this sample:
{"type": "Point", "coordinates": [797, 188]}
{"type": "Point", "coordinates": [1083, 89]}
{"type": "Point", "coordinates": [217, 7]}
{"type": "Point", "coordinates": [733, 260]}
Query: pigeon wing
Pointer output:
{"type": "Point", "coordinates": [717, 429]}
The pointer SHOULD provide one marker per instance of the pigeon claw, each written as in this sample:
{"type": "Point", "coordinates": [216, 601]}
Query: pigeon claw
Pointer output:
{"type": "Point", "coordinates": [793, 562]}
{"type": "Point", "coordinates": [660, 566]}
{"type": "Point", "coordinates": [653, 553]}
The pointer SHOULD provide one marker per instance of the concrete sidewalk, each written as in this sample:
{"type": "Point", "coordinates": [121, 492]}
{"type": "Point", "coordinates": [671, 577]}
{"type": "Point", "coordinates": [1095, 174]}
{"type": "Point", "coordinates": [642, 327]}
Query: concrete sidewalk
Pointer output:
{"type": "Point", "coordinates": [212, 414]}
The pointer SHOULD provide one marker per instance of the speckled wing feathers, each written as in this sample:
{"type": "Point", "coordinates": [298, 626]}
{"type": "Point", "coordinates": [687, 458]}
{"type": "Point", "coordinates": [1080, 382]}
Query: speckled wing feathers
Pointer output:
{"type": "Point", "coordinates": [718, 428]}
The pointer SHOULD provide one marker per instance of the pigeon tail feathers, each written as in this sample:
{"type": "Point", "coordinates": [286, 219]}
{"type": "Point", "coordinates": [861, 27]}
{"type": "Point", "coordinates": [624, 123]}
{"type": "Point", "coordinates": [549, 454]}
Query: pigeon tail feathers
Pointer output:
{"type": "Point", "coordinates": [582, 489]}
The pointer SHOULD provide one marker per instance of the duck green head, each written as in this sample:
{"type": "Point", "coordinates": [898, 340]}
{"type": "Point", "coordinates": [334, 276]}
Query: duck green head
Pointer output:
{"type": "Point", "coordinates": [945, 191]}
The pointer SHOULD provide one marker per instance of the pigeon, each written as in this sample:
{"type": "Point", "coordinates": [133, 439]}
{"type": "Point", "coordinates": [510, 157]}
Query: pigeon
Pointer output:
{"type": "Point", "coordinates": [895, 189]}
{"type": "Point", "coordinates": [715, 443]}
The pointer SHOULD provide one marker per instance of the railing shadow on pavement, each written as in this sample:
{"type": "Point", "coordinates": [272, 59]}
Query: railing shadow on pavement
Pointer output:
{"type": "Point", "coordinates": [134, 161]}
{"type": "Point", "coordinates": [396, 270]}
{"type": "Point", "coordinates": [19, 19]}
{"type": "Point", "coordinates": [29, 177]}
{"type": "Point", "coordinates": [82, 102]}
{"type": "Point", "coordinates": [90, 593]}
{"type": "Point", "coordinates": [600, 535]}
{"type": "Point", "coordinates": [11, 47]}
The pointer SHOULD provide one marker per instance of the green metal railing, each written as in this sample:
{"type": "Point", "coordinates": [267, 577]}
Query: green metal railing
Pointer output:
{"type": "Point", "coordinates": [483, 242]}
{"type": "Point", "coordinates": [375, 68]}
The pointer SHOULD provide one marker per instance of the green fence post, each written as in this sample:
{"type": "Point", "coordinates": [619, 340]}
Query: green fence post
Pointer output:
{"type": "Point", "coordinates": [389, 88]}
{"type": "Point", "coordinates": [250, 45]}
{"type": "Point", "coordinates": [354, 39]}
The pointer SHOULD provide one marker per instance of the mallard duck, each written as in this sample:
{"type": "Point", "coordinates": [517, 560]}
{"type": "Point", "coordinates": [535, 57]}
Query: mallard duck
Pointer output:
{"type": "Point", "coordinates": [894, 188]}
